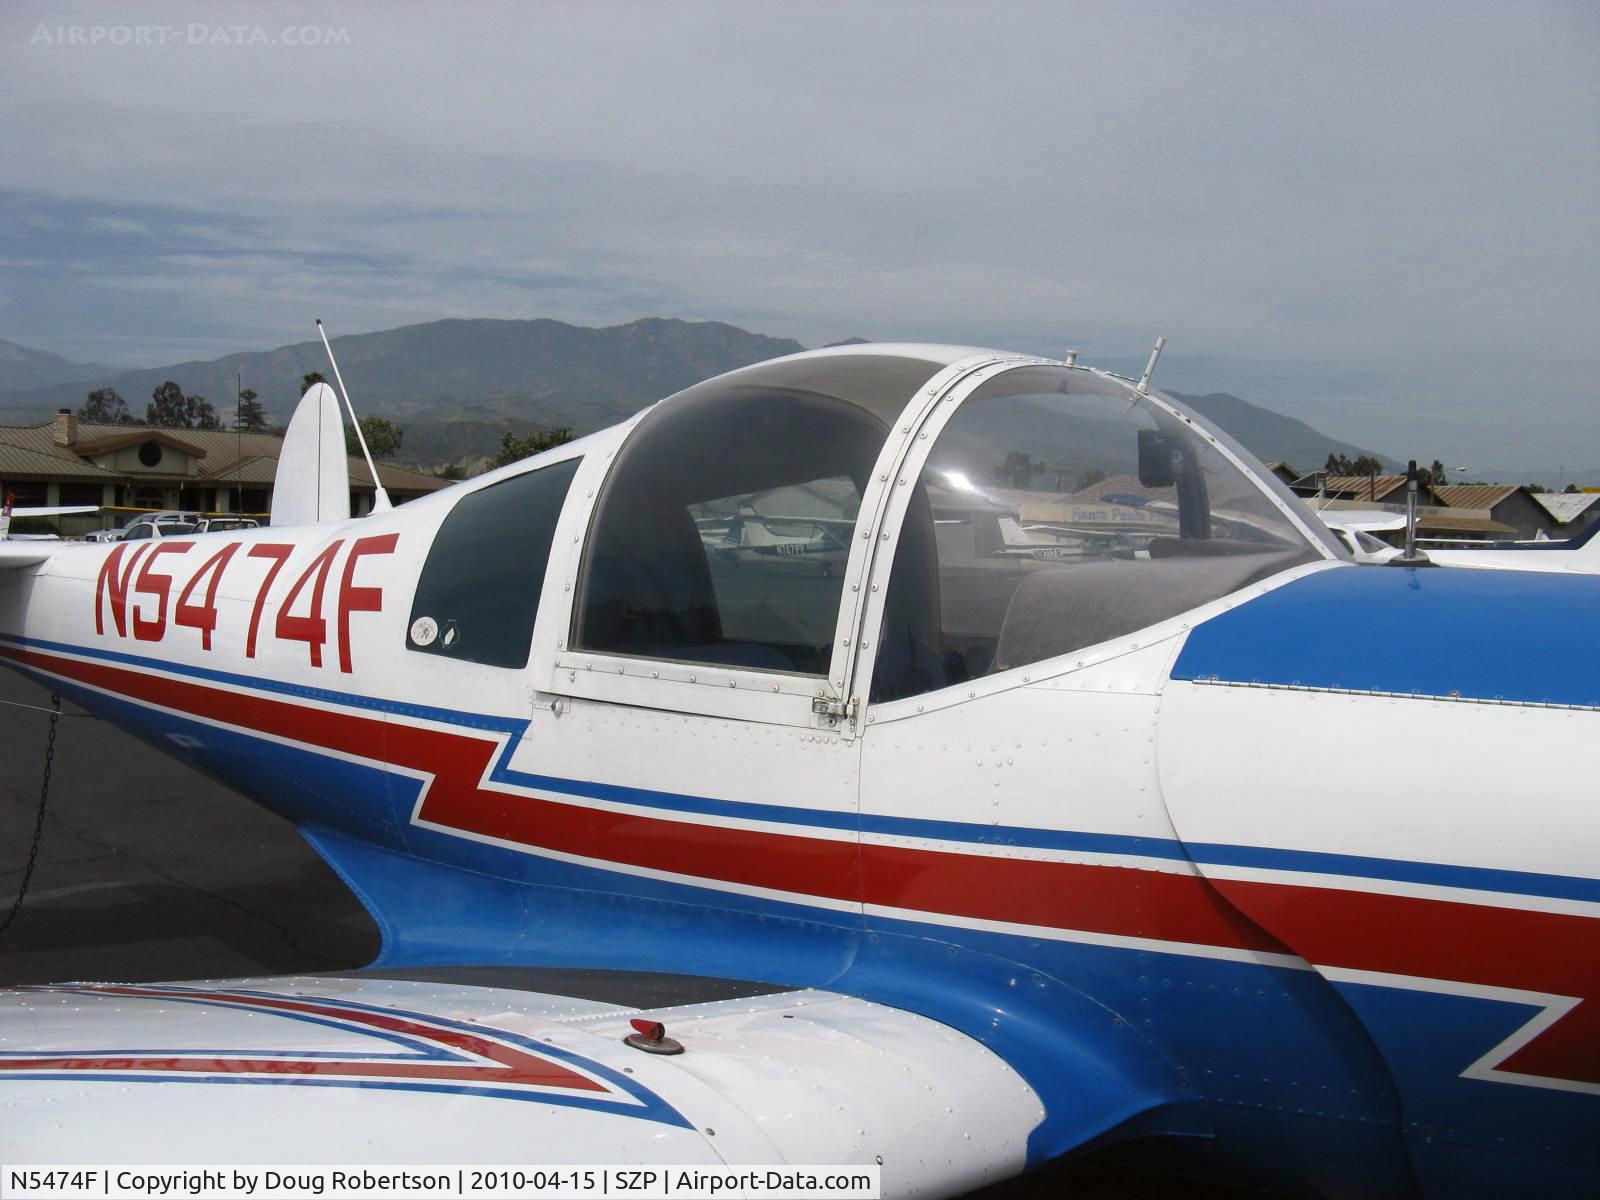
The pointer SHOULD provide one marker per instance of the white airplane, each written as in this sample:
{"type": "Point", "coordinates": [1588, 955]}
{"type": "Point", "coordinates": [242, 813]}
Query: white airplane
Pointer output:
{"type": "Point", "coordinates": [948, 861]}
{"type": "Point", "coordinates": [1575, 556]}
{"type": "Point", "coordinates": [1356, 527]}
{"type": "Point", "coordinates": [9, 511]}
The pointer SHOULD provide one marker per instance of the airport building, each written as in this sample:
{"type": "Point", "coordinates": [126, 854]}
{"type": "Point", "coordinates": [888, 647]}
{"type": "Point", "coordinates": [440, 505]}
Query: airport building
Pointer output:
{"type": "Point", "coordinates": [1454, 513]}
{"type": "Point", "coordinates": [1509, 504]}
{"type": "Point", "coordinates": [68, 461]}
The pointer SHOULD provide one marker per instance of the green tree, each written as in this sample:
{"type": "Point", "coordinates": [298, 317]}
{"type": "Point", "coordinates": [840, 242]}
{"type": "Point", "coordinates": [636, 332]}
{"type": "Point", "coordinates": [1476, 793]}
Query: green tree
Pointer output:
{"type": "Point", "coordinates": [310, 378]}
{"type": "Point", "coordinates": [1570, 489]}
{"type": "Point", "coordinates": [171, 409]}
{"type": "Point", "coordinates": [104, 407]}
{"type": "Point", "coordinates": [383, 437]}
{"type": "Point", "coordinates": [166, 406]}
{"type": "Point", "coordinates": [452, 471]}
{"type": "Point", "coordinates": [514, 449]}
{"type": "Point", "coordinates": [251, 415]}
{"type": "Point", "coordinates": [200, 413]}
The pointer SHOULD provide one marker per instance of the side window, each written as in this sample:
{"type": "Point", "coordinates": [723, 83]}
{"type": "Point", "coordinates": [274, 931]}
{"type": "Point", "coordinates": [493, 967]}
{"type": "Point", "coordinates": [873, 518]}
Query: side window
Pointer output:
{"type": "Point", "coordinates": [478, 593]}
{"type": "Point", "coordinates": [722, 532]}
{"type": "Point", "coordinates": [775, 558]}
{"type": "Point", "coordinates": [1058, 510]}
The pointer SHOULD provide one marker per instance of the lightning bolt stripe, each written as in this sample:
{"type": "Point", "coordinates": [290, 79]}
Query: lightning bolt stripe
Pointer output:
{"type": "Point", "coordinates": [439, 1054]}
{"type": "Point", "coordinates": [1042, 887]}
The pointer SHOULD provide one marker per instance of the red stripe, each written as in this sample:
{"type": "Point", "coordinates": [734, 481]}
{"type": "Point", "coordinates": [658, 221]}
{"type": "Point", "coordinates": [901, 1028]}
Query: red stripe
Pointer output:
{"type": "Point", "coordinates": [511, 1065]}
{"type": "Point", "coordinates": [1360, 930]}
{"type": "Point", "coordinates": [1108, 900]}
{"type": "Point", "coordinates": [1122, 901]}
{"type": "Point", "coordinates": [1439, 939]}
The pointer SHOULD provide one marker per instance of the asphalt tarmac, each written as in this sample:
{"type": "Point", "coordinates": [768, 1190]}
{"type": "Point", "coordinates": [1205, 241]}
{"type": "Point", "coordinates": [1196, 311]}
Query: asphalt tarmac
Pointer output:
{"type": "Point", "coordinates": [149, 871]}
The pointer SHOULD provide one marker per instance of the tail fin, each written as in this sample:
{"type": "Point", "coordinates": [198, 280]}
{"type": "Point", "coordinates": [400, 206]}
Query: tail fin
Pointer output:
{"type": "Point", "coordinates": [1587, 545]}
{"type": "Point", "coordinates": [1013, 534]}
{"type": "Point", "coordinates": [313, 480]}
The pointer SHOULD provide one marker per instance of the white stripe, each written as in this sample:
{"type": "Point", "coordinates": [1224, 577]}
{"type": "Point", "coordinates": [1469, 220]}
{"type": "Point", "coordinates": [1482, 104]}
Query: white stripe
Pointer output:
{"type": "Point", "coordinates": [1085, 937]}
{"type": "Point", "coordinates": [1551, 1009]}
{"type": "Point", "coordinates": [605, 864]}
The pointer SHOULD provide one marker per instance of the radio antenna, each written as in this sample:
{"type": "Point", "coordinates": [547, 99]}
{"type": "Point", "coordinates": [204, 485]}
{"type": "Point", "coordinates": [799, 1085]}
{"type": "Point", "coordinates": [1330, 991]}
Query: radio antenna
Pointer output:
{"type": "Point", "coordinates": [380, 498]}
{"type": "Point", "coordinates": [1150, 367]}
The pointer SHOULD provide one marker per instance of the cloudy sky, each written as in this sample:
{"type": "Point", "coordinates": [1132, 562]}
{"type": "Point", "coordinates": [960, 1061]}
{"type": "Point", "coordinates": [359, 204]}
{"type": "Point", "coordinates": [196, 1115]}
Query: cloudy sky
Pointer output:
{"type": "Point", "coordinates": [1384, 218]}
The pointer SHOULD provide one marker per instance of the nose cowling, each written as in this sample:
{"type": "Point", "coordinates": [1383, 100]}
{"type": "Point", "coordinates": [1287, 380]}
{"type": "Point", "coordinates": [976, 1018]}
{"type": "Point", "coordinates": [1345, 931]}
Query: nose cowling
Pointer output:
{"type": "Point", "coordinates": [1500, 636]}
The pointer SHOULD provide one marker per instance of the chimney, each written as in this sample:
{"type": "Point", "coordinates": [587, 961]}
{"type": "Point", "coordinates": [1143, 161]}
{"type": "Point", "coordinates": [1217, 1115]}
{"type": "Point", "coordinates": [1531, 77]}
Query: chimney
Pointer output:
{"type": "Point", "coordinates": [64, 429]}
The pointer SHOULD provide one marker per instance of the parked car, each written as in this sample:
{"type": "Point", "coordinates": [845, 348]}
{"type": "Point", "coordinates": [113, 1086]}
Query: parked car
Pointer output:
{"type": "Point", "coordinates": [171, 523]}
{"type": "Point", "coordinates": [147, 525]}
{"type": "Point", "coordinates": [225, 523]}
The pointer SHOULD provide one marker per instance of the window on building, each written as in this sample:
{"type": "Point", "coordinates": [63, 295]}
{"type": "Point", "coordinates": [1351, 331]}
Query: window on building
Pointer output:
{"type": "Point", "coordinates": [81, 493]}
{"type": "Point", "coordinates": [26, 494]}
{"type": "Point", "coordinates": [478, 593]}
{"type": "Point", "coordinates": [1058, 510]}
{"type": "Point", "coordinates": [723, 530]}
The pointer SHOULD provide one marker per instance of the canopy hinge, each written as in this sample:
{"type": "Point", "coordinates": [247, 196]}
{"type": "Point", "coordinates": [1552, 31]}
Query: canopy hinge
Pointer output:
{"type": "Point", "coordinates": [834, 710]}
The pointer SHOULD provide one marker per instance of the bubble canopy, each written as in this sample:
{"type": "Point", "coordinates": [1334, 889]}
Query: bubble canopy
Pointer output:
{"type": "Point", "coordinates": [725, 526]}
{"type": "Point", "coordinates": [723, 529]}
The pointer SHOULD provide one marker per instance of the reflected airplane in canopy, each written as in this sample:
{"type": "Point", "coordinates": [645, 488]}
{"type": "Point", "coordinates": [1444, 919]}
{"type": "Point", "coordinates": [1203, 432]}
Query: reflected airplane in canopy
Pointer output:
{"type": "Point", "coordinates": [739, 729]}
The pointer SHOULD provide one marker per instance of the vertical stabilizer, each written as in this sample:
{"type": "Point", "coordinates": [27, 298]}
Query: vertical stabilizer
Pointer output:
{"type": "Point", "coordinates": [313, 480]}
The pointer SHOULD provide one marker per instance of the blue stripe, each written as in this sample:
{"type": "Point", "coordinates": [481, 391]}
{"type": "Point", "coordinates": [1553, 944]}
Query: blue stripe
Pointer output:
{"type": "Point", "coordinates": [567, 1100]}
{"type": "Point", "coordinates": [1512, 636]}
{"type": "Point", "coordinates": [651, 1106]}
{"type": "Point", "coordinates": [1486, 879]}
{"type": "Point", "coordinates": [274, 686]}
{"type": "Point", "coordinates": [1489, 879]}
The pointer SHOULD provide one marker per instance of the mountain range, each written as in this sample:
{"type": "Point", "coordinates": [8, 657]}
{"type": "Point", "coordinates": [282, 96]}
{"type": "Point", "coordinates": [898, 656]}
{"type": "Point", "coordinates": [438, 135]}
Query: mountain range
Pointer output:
{"type": "Point", "coordinates": [458, 385]}
{"type": "Point", "coordinates": [22, 368]}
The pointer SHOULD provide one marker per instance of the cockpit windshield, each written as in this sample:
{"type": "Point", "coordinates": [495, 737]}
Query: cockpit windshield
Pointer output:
{"type": "Point", "coordinates": [723, 531]}
{"type": "Point", "coordinates": [1059, 509]}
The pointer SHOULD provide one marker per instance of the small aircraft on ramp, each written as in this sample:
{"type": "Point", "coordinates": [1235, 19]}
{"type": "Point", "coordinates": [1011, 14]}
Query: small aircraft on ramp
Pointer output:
{"type": "Point", "coordinates": [1574, 556]}
{"type": "Point", "coordinates": [924, 853]}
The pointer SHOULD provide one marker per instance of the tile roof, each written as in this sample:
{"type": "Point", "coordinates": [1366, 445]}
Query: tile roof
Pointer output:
{"type": "Point", "coordinates": [1474, 495]}
{"type": "Point", "coordinates": [252, 469]}
{"type": "Point", "coordinates": [396, 479]}
{"type": "Point", "coordinates": [231, 457]}
{"type": "Point", "coordinates": [134, 437]}
{"type": "Point", "coordinates": [22, 460]}
{"type": "Point", "coordinates": [1364, 487]}
{"type": "Point", "coordinates": [1566, 506]}
{"type": "Point", "coordinates": [1443, 522]}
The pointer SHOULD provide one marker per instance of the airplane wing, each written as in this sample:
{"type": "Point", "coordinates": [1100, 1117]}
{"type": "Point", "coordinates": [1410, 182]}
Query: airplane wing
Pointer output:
{"type": "Point", "coordinates": [502, 1065]}
{"type": "Point", "coordinates": [10, 556]}
{"type": "Point", "coordinates": [56, 510]}
{"type": "Point", "coordinates": [1576, 556]}
{"type": "Point", "coordinates": [14, 555]}
{"type": "Point", "coordinates": [1362, 519]}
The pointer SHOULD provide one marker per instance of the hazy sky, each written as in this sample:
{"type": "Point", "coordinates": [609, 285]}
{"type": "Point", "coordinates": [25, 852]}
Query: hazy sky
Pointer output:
{"type": "Point", "coordinates": [1383, 218]}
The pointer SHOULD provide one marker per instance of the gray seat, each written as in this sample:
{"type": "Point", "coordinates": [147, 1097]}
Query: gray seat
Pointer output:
{"type": "Point", "coordinates": [1057, 610]}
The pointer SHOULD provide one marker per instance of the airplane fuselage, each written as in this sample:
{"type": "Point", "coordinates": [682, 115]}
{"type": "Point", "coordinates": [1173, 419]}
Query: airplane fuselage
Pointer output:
{"type": "Point", "coordinates": [1143, 872]}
